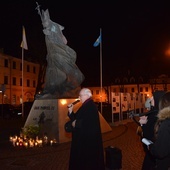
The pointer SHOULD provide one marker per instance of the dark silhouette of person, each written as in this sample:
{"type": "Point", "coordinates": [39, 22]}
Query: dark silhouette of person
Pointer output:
{"type": "Point", "coordinates": [147, 123]}
{"type": "Point", "coordinates": [86, 147]}
{"type": "Point", "coordinates": [160, 148]}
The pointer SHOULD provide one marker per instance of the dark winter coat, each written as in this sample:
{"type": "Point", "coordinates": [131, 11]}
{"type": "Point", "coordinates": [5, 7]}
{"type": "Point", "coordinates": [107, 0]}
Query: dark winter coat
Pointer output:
{"type": "Point", "coordinates": [86, 147]}
{"type": "Point", "coordinates": [148, 128]}
{"type": "Point", "coordinates": [148, 131]}
{"type": "Point", "coordinates": [161, 148]}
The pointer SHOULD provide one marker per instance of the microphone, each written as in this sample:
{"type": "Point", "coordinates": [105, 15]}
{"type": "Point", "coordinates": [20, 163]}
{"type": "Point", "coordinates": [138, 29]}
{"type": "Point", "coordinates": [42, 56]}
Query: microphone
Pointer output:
{"type": "Point", "coordinates": [73, 103]}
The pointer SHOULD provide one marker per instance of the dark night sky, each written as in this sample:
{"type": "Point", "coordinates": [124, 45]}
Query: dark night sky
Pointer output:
{"type": "Point", "coordinates": [135, 34]}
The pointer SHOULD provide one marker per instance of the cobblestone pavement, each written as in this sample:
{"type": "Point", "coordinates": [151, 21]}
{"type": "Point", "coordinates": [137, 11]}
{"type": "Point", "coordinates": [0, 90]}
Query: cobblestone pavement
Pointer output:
{"type": "Point", "coordinates": [56, 157]}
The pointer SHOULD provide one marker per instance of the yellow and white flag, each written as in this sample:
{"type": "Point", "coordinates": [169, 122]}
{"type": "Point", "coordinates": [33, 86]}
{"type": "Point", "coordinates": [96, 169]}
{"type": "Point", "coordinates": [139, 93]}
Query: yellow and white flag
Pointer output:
{"type": "Point", "coordinates": [24, 40]}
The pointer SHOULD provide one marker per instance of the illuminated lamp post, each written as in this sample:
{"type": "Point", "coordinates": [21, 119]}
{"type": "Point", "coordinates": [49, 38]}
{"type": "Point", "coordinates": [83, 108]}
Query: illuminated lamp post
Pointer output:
{"type": "Point", "coordinates": [167, 52]}
{"type": "Point", "coordinates": [2, 91]}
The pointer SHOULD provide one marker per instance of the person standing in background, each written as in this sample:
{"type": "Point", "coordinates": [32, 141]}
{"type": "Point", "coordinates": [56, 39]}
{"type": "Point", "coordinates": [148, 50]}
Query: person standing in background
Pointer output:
{"type": "Point", "coordinates": [160, 148]}
{"type": "Point", "coordinates": [147, 123]}
{"type": "Point", "coordinates": [87, 151]}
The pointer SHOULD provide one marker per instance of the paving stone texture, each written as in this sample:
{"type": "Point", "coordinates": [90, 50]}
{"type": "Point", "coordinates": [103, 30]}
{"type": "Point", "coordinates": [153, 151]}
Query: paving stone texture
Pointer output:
{"type": "Point", "coordinates": [56, 157]}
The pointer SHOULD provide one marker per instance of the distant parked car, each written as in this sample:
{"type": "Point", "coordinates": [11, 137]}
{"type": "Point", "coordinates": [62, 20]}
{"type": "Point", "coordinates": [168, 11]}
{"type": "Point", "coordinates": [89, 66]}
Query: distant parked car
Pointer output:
{"type": "Point", "coordinates": [27, 108]}
{"type": "Point", "coordinates": [6, 111]}
{"type": "Point", "coordinates": [17, 111]}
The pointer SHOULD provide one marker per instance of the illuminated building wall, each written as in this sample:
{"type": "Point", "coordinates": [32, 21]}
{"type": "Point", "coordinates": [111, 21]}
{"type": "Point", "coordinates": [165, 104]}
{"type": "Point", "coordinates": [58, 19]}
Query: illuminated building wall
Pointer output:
{"type": "Point", "coordinates": [11, 79]}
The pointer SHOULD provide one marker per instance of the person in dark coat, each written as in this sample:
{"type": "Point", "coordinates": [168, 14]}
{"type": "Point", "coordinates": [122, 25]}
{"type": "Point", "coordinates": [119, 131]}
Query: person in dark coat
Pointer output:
{"type": "Point", "coordinates": [86, 151]}
{"type": "Point", "coordinates": [147, 123]}
{"type": "Point", "coordinates": [161, 146]}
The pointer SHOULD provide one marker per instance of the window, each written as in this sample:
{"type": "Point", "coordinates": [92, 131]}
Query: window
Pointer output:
{"type": "Point", "coordinates": [141, 89]}
{"type": "Point", "coordinates": [28, 83]}
{"type": "Point", "coordinates": [5, 79]}
{"type": "Point", "coordinates": [132, 90]}
{"type": "Point", "coordinates": [5, 63]}
{"type": "Point", "coordinates": [125, 80]}
{"type": "Point", "coordinates": [34, 69]}
{"type": "Point", "coordinates": [140, 80]}
{"type": "Point", "coordinates": [132, 80]}
{"type": "Point", "coordinates": [14, 65]}
{"type": "Point", "coordinates": [146, 89]}
{"type": "Point", "coordinates": [28, 68]}
{"type": "Point", "coordinates": [14, 80]}
{"type": "Point", "coordinates": [117, 80]}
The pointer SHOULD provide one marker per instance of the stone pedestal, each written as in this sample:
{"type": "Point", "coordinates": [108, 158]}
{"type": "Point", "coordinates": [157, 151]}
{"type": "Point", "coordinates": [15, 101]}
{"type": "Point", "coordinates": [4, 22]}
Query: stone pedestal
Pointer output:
{"type": "Point", "coordinates": [51, 116]}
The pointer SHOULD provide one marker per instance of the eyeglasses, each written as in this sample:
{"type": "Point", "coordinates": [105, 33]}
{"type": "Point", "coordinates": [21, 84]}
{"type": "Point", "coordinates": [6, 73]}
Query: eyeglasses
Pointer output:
{"type": "Point", "coordinates": [82, 95]}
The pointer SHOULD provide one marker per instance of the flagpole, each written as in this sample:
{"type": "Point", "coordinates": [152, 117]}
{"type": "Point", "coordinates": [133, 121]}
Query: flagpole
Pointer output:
{"type": "Point", "coordinates": [101, 70]}
{"type": "Point", "coordinates": [24, 46]}
{"type": "Point", "coordinates": [96, 43]}
{"type": "Point", "coordinates": [22, 82]}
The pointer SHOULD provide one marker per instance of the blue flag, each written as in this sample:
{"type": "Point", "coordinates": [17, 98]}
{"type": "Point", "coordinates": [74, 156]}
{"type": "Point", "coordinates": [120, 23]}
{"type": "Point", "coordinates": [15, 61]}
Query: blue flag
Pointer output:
{"type": "Point", "coordinates": [98, 41]}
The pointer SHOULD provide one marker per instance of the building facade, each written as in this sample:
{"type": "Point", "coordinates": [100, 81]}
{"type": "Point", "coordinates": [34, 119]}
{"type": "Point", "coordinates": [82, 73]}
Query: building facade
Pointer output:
{"type": "Point", "coordinates": [131, 86]}
{"type": "Point", "coordinates": [18, 80]}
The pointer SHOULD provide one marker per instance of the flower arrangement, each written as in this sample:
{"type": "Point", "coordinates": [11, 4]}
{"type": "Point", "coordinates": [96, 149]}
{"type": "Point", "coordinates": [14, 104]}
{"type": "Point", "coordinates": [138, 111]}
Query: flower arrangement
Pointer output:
{"type": "Point", "coordinates": [29, 138]}
{"type": "Point", "coordinates": [31, 131]}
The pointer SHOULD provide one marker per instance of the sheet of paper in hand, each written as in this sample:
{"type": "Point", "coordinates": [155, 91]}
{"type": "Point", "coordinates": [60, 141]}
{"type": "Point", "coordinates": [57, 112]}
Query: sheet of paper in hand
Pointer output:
{"type": "Point", "coordinates": [146, 141]}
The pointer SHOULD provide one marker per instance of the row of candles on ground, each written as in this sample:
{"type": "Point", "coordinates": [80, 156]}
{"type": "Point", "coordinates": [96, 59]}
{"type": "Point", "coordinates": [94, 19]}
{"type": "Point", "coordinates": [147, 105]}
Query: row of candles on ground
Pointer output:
{"type": "Point", "coordinates": [29, 142]}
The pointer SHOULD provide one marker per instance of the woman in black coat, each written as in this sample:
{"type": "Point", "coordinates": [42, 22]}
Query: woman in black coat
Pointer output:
{"type": "Point", "coordinates": [147, 124]}
{"type": "Point", "coordinates": [161, 146]}
{"type": "Point", "coordinates": [86, 147]}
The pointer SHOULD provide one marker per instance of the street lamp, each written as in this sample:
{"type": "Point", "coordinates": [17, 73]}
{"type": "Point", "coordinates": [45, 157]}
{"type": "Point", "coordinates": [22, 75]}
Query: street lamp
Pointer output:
{"type": "Point", "coordinates": [167, 52]}
{"type": "Point", "coordinates": [2, 92]}
{"type": "Point", "coordinates": [2, 103]}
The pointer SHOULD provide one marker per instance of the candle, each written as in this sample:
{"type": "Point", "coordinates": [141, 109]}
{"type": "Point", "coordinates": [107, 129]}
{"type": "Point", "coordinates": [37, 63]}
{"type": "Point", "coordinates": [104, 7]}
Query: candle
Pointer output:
{"type": "Point", "coordinates": [20, 143]}
{"type": "Point", "coordinates": [11, 138]}
{"type": "Point", "coordinates": [31, 143]}
{"type": "Point", "coordinates": [40, 142]}
{"type": "Point", "coordinates": [26, 144]}
{"type": "Point", "coordinates": [14, 141]}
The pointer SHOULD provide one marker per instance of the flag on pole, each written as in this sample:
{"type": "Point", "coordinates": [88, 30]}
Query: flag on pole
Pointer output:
{"type": "Point", "coordinates": [24, 41]}
{"type": "Point", "coordinates": [98, 41]}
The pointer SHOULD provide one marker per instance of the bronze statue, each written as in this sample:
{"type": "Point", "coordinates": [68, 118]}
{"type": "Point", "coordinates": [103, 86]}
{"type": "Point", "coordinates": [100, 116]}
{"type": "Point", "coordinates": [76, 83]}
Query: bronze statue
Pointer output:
{"type": "Point", "coordinates": [63, 77]}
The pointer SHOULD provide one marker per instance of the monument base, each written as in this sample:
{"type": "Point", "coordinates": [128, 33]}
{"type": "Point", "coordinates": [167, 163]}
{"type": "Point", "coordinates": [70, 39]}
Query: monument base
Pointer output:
{"type": "Point", "coordinates": [51, 115]}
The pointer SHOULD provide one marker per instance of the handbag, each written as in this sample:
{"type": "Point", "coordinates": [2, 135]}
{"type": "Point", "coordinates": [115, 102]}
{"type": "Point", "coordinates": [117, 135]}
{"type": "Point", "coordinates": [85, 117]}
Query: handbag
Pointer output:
{"type": "Point", "coordinates": [68, 126]}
